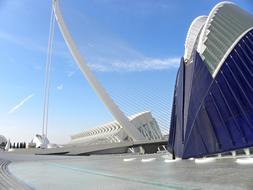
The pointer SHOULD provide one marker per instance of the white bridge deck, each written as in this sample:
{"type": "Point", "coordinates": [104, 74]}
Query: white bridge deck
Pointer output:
{"type": "Point", "coordinates": [82, 149]}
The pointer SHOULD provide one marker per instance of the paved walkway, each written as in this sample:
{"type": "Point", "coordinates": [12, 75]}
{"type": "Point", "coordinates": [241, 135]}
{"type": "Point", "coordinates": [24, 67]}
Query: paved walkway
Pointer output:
{"type": "Point", "coordinates": [7, 181]}
{"type": "Point", "coordinates": [127, 171]}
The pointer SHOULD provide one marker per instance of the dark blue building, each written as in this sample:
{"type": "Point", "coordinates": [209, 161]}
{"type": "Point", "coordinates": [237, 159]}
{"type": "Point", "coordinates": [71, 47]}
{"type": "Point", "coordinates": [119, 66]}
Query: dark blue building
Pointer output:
{"type": "Point", "coordinates": [213, 97]}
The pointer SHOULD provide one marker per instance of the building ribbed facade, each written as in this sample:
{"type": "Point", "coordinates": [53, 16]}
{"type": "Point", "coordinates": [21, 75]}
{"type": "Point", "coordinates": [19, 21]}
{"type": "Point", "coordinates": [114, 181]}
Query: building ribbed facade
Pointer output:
{"type": "Point", "coordinates": [114, 133]}
{"type": "Point", "coordinates": [213, 105]}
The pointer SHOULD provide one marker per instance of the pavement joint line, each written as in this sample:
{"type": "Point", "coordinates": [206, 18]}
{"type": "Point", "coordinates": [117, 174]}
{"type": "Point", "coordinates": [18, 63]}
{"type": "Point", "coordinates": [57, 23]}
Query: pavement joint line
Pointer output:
{"type": "Point", "coordinates": [9, 181]}
{"type": "Point", "coordinates": [134, 180]}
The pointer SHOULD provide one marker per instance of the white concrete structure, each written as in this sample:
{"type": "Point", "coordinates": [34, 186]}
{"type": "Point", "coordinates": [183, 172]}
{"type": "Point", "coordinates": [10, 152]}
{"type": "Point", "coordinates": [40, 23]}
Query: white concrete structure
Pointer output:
{"type": "Point", "coordinates": [113, 132]}
{"type": "Point", "coordinates": [8, 145]}
{"type": "Point", "coordinates": [3, 142]}
{"type": "Point", "coordinates": [214, 36]}
{"type": "Point", "coordinates": [213, 91]}
{"type": "Point", "coordinates": [192, 36]}
{"type": "Point", "coordinates": [132, 132]}
{"type": "Point", "coordinates": [40, 141]}
{"type": "Point", "coordinates": [3, 139]}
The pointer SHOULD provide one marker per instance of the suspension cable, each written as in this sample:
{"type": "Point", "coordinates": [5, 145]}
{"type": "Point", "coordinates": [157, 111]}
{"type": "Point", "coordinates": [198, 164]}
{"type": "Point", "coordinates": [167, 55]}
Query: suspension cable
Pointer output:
{"type": "Point", "coordinates": [47, 75]}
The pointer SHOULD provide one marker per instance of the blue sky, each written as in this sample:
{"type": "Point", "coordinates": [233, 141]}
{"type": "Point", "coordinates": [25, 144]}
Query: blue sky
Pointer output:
{"type": "Point", "coordinates": [133, 47]}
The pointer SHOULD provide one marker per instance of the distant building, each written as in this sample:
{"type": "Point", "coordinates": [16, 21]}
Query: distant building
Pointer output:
{"type": "Point", "coordinates": [114, 133]}
{"type": "Point", "coordinates": [39, 141]}
{"type": "Point", "coordinates": [213, 105]}
{"type": "Point", "coordinates": [3, 142]}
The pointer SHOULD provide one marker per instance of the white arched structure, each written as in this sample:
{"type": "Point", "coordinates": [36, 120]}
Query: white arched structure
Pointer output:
{"type": "Point", "coordinates": [205, 31]}
{"type": "Point", "coordinates": [3, 142]}
{"type": "Point", "coordinates": [113, 132]}
{"type": "Point", "coordinates": [215, 36]}
{"type": "Point", "coordinates": [40, 141]}
{"type": "Point", "coordinates": [224, 27]}
{"type": "Point", "coordinates": [113, 108]}
{"type": "Point", "coordinates": [192, 36]}
{"type": "Point", "coordinates": [3, 139]}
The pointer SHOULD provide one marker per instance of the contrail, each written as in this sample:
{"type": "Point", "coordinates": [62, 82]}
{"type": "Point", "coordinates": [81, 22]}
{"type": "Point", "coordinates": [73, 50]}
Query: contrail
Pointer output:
{"type": "Point", "coordinates": [20, 104]}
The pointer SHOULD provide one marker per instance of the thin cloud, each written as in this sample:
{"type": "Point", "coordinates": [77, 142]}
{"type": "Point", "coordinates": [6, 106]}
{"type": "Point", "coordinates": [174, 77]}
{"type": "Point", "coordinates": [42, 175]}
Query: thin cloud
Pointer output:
{"type": "Point", "coordinates": [70, 73]}
{"type": "Point", "coordinates": [102, 59]}
{"type": "Point", "coordinates": [21, 41]}
{"type": "Point", "coordinates": [32, 44]}
{"type": "Point", "coordinates": [20, 104]}
{"type": "Point", "coordinates": [60, 87]}
{"type": "Point", "coordinates": [148, 64]}
{"type": "Point", "coordinates": [37, 67]}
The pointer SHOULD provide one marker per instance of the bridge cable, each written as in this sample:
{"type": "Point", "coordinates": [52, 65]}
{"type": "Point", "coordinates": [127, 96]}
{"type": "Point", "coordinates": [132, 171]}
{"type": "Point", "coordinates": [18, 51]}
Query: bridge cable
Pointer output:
{"type": "Point", "coordinates": [47, 75]}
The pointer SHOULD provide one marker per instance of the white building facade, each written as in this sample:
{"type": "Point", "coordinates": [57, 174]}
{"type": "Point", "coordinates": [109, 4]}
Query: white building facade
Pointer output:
{"type": "Point", "coordinates": [113, 132]}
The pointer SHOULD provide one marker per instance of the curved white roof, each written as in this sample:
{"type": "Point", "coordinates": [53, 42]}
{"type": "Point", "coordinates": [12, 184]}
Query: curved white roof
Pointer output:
{"type": "Point", "coordinates": [40, 141]}
{"type": "Point", "coordinates": [224, 27]}
{"type": "Point", "coordinates": [215, 36]}
{"type": "Point", "coordinates": [204, 33]}
{"type": "Point", "coordinates": [113, 132]}
{"type": "Point", "coordinates": [109, 128]}
{"type": "Point", "coordinates": [192, 36]}
{"type": "Point", "coordinates": [2, 139]}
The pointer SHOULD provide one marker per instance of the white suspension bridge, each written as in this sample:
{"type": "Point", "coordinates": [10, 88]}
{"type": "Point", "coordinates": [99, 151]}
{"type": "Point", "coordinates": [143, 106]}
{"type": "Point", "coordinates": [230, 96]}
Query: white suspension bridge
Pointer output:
{"type": "Point", "coordinates": [135, 135]}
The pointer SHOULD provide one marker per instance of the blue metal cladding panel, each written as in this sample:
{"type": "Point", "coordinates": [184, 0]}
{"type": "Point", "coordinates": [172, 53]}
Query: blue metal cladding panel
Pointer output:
{"type": "Point", "coordinates": [177, 129]}
{"type": "Point", "coordinates": [174, 118]}
{"type": "Point", "coordinates": [195, 145]}
{"type": "Point", "coordinates": [220, 110]}
{"type": "Point", "coordinates": [189, 68]}
{"type": "Point", "coordinates": [179, 97]}
{"type": "Point", "coordinates": [200, 83]}
{"type": "Point", "coordinates": [217, 121]}
{"type": "Point", "coordinates": [171, 139]}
